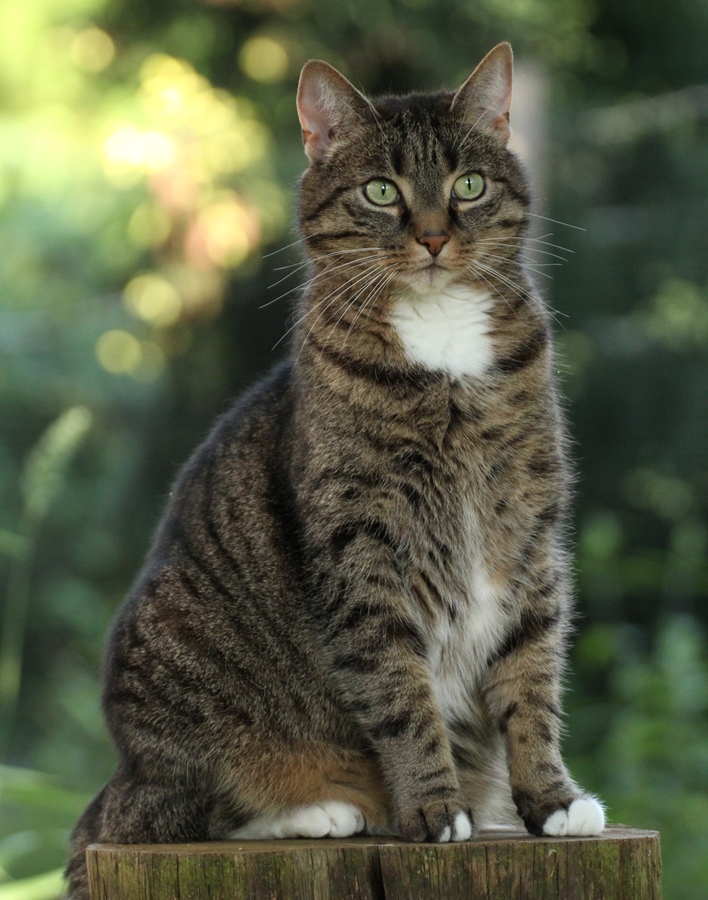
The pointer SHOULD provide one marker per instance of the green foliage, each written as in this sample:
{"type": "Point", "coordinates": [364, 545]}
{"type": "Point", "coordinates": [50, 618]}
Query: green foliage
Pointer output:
{"type": "Point", "coordinates": [643, 741]}
{"type": "Point", "coordinates": [146, 157]}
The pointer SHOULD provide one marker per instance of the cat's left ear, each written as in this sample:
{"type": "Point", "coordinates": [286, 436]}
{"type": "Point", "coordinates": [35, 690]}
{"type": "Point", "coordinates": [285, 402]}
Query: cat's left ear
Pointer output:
{"type": "Point", "coordinates": [328, 106]}
{"type": "Point", "coordinates": [485, 98]}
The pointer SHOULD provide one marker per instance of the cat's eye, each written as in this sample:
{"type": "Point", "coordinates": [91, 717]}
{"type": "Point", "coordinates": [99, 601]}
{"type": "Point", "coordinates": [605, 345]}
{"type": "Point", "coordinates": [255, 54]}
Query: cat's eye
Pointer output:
{"type": "Point", "coordinates": [381, 192]}
{"type": "Point", "coordinates": [468, 187]}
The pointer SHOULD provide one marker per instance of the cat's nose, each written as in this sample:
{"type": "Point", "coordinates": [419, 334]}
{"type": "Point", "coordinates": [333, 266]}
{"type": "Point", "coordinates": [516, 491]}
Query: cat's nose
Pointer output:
{"type": "Point", "coordinates": [434, 242]}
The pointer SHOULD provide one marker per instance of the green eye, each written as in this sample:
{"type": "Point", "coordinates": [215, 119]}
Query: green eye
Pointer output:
{"type": "Point", "coordinates": [381, 192]}
{"type": "Point", "coordinates": [468, 187]}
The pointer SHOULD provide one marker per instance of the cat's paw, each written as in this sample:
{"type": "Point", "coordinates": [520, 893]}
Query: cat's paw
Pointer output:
{"type": "Point", "coordinates": [437, 822]}
{"type": "Point", "coordinates": [584, 816]}
{"type": "Point", "coordinates": [345, 819]}
{"type": "Point", "coordinates": [331, 818]}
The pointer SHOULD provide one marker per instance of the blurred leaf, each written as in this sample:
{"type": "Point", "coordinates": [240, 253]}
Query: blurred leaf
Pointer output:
{"type": "Point", "coordinates": [24, 853]}
{"type": "Point", "coordinates": [39, 791]}
{"type": "Point", "coordinates": [46, 466]}
{"type": "Point", "coordinates": [12, 544]}
{"type": "Point", "coordinates": [48, 886]}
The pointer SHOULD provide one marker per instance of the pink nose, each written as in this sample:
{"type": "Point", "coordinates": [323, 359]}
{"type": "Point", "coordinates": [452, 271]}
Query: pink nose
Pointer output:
{"type": "Point", "coordinates": [434, 242]}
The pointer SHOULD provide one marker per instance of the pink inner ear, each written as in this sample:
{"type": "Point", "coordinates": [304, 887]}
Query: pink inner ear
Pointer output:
{"type": "Point", "coordinates": [326, 102]}
{"type": "Point", "coordinates": [502, 127]}
{"type": "Point", "coordinates": [485, 98]}
{"type": "Point", "coordinates": [316, 126]}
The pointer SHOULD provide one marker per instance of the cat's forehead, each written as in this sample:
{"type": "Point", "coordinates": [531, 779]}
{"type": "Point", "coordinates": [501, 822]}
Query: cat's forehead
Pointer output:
{"type": "Point", "coordinates": [417, 134]}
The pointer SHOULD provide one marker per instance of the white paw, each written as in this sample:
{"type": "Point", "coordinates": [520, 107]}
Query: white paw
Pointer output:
{"type": "Point", "coordinates": [461, 830]}
{"type": "Point", "coordinates": [584, 816]}
{"type": "Point", "coordinates": [462, 827]}
{"type": "Point", "coordinates": [330, 818]}
{"type": "Point", "coordinates": [345, 818]}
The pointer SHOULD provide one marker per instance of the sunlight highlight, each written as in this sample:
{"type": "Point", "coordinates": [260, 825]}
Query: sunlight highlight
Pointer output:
{"type": "Point", "coordinates": [152, 298]}
{"type": "Point", "coordinates": [92, 50]}
{"type": "Point", "coordinates": [264, 59]}
{"type": "Point", "coordinates": [130, 147]}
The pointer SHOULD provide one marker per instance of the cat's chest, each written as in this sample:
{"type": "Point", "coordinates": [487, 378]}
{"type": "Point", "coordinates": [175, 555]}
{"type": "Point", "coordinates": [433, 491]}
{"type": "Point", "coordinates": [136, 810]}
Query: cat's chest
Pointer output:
{"type": "Point", "coordinates": [446, 330]}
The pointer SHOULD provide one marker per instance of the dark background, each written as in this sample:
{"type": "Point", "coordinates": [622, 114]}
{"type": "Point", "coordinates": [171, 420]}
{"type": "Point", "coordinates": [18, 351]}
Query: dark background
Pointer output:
{"type": "Point", "coordinates": [148, 161]}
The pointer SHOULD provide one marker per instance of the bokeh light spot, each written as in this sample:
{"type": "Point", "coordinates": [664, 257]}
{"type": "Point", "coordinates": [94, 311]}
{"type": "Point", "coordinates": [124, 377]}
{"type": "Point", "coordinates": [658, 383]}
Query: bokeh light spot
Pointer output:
{"type": "Point", "coordinates": [149, 226]}
{"type": "Point", "coordinates": [264, 59]}
{"type": "Point", "coordinates": [92, 50]}
{"type": "Point", "coordinates": [225, 231]}
{"type": "Point", "coordinates": [119, 351]}
{"type": "Point", "coordinates": [152, 298]}
{"type": "Point", "coordinates": [129, 147]}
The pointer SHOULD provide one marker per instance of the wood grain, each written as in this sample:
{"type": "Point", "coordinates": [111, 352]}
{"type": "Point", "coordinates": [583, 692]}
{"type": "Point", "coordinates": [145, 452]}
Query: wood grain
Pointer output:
{"type": "Point", "coordinates": [622, 864]}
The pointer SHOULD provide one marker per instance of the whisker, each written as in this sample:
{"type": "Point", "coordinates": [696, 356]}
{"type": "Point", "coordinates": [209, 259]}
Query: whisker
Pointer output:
{"type": "Point", "coordinates": [528, 266]}
{"type": "Point", "coordinates": [556, 221]}
{"type": "Point", "coordinates": [368, 286]}
{"type": "Point", "coordinates": [523, 242]}
{"type": "Point", "coordinates": [288, 246]}
{"type": "Point", "coordinates": [504, 280]}
{"type": "Point", "coordinates": [311, 281]}
{"type": "Point", "coordinates": [299, 265]}
{"type": "Point", "coordinates": [374, 296]}
{"type": "Point", "coordinates": [325, 300]}
{"type": "Point", "coordinates": [491, 284]}
{"type": "Point", "coordinates": [330, 299]}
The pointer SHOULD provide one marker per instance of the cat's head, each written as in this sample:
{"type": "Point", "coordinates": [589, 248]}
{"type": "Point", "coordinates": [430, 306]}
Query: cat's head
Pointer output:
{"type": "Point", "coordinates": [420, 190]}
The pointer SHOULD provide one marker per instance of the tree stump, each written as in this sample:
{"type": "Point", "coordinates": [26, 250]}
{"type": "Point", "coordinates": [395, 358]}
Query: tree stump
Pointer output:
{"type": "Point", "coordinates": [622, 864]}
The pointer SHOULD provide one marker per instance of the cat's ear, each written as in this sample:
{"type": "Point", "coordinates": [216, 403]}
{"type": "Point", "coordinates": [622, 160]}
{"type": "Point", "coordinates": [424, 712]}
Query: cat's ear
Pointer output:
{"type": "Point", "coordinates": [485, 98]}
{"type": "Point", "coordinates": [328, 106]}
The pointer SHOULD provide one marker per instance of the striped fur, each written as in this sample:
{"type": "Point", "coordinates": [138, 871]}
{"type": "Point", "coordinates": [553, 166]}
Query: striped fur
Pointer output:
{"type": "Point", "coordinates": [356, 606]}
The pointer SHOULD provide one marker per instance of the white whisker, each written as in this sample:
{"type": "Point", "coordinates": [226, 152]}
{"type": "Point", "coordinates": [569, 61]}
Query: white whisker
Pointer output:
{"type": "Point", "coordinates": [517, 289]}
{"type": "Point", "coordinates": [373, 297]}
{"type": "Point", "coordinates": [288, 246]}
{"type": "Point", "coordinates": [320, 274]}
{"type": "Point", "coordinates": [325, 300]}
{"type": "Point", "coordinates": [330, 299]}
{"type": "Point", "coordinates": [556, 221]}
{"type": "Point", "coordinates": [528, 266]}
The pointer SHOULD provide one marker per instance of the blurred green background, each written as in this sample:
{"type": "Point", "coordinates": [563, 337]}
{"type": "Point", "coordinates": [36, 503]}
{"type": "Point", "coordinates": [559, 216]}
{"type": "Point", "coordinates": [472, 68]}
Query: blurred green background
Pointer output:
{"type": "Point", "coordinates": [148, 159]}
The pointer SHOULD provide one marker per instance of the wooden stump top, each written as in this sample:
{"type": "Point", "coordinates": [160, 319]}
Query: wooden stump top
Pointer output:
{"type": "Point", "coordinates": [621, 864]}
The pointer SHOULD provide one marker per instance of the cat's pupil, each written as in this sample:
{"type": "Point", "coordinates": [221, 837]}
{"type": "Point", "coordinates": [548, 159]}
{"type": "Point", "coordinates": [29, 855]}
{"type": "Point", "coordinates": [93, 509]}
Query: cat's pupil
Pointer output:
{"type": "Point", "coordinates": [469, 187]}
{"type": "Point", "coordinates": [381, 192]}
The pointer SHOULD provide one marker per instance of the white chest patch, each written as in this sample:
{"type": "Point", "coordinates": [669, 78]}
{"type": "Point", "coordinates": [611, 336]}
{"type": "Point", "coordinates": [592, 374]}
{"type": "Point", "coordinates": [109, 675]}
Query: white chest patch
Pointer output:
{"type": "Point", "coordinates": [446, 330]}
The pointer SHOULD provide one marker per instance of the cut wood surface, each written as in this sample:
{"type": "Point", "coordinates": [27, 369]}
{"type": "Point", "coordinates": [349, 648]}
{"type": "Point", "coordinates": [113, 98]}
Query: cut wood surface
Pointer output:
{"type": "Point", "coordinates": [622, 864]}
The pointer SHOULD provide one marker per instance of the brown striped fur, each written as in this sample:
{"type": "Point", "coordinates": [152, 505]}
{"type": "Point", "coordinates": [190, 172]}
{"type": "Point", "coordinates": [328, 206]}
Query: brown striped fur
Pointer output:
{"type": "Point", "coordinates": [360, 587]}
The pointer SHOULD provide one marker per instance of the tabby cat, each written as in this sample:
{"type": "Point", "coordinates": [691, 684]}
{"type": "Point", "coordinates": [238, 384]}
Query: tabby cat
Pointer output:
{"type": "Point", "coordinates": [355, 612]}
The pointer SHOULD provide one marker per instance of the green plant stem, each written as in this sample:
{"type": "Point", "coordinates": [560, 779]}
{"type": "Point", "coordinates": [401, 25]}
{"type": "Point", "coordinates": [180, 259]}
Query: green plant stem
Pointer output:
{"type": "Point", "coordinates": [14, 627]}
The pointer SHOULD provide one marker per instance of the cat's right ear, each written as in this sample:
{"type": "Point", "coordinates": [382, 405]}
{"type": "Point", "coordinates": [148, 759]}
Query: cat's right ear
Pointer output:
{"type": "Point", "coordinates": [328, 107]}
{"type": "Point", "coordinates": [485, 98]}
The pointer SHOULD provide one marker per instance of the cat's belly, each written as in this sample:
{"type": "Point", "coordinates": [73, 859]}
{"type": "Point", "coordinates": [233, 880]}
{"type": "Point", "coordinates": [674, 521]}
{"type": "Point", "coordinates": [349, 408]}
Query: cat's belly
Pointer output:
{"type": "Point", "coordinates": [460, 650]}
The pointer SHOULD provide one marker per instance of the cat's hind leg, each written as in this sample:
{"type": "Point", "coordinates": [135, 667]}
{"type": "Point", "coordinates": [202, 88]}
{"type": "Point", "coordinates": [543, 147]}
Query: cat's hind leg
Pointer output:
{"type": "Point", "coordinates": [329, 818]}
{"type": "Point", "coordinates": [135, 809]}
{"type": "Point", "coordinates": [312, 791]}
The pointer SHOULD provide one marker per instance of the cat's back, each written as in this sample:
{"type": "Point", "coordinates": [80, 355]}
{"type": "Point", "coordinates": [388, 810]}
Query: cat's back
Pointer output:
{"type": "Point", "coordinates": [216, 543]}
{"type": "Point", "coordinates": [235, 469]}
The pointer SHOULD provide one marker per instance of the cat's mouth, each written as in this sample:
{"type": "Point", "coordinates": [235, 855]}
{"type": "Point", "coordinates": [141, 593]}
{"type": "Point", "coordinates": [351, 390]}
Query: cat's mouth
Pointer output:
{"type": "Point", "coordinates": [433, 266]}
{"type": "Point", "coordinates": [431, 275]}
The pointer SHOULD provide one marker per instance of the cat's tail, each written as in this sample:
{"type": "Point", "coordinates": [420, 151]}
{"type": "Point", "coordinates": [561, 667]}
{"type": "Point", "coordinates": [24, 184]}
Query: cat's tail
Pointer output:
{"type": "Point", "coordinates": [86, 832]}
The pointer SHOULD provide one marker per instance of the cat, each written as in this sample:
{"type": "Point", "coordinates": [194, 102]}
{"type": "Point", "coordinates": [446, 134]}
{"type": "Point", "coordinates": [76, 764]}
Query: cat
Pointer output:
{"type": "Point", "coordinates": [355, 613]}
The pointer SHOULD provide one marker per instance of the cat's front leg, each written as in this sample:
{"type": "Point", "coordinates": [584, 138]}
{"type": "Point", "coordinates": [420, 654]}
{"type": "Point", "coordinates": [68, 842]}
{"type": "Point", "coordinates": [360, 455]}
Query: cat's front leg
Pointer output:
{"type": "Point", "coordinates": [376, 657]}
{"type": "Point", "coordinates": [524, 692]}
{"type": "Point", "coordinates": [401, 719]}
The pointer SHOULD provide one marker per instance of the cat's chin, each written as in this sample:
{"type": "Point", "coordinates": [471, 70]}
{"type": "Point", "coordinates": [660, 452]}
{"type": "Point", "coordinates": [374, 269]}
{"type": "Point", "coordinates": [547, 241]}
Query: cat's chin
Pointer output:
{"type": "Point", "coordinates": [427, 278]}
